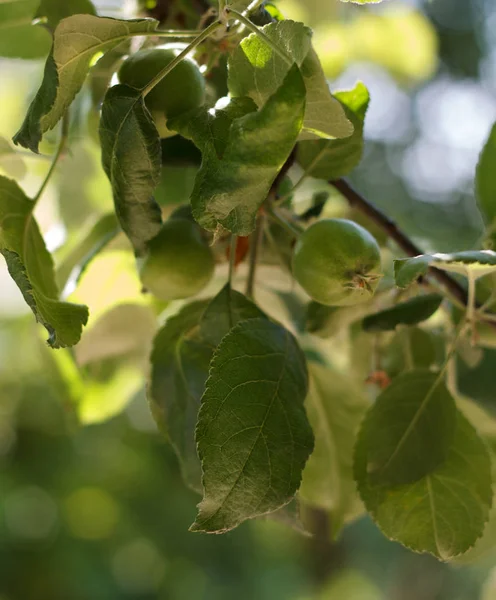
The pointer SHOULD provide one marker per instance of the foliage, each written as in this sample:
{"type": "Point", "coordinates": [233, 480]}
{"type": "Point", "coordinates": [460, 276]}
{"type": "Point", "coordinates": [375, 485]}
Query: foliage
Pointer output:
{"type": "Point", "coordinates": [265, 418]}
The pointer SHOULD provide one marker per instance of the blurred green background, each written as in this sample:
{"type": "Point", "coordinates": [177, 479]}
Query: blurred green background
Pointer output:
{"type": "Point", "coordinates": [100, 511]}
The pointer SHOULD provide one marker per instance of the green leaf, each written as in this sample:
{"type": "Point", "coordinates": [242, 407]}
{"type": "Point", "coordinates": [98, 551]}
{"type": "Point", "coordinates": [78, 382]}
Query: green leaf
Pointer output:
{"type": "Point", "coordinates": [56, 10]}
{"type": "Point", "coordinates": [253, 435]}
{"type": "Point", "coordinates": [443, 513]}
{"type": "Point", "coordinates": [485, 182]}
{"type": "Point", "coordinates": [93, 241]}
{"type": "Point", "coordinates": [411, 312]}
{"type": "Point", "coordinates": [224, 311]}
{"type": "Point", "coordinates": [242, 155]}
{"type": "Point", "coordinates": [77, 40]}
{"type": "Point", "coordinates": [10, 161]}
{"type": "Point", "coordinates": [335, 408]}
{"type": "Point", "coordinates": [332, 159]}
{"type": "Point", "coordinates": [255, 70]}
{"type": "Point", "coordinates": [131, 158]}
{"type": "Point", "coordinates": [180, 361]}
{"type": "Point", "coordinates": [362, 1]}
{"type": "Point", "coordinates": [31, 267]}
{"type": "Point", "coordinates": [471, 263]}
{"type": "Point", "coordinates": [409, 430]}
{"type": "Point", "coordinates": [19, 38]}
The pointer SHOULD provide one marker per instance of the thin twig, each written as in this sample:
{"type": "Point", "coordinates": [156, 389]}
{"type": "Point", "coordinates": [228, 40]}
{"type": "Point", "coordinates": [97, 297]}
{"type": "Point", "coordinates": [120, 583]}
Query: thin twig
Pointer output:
{"type": "Point", "coordinates": [232, 257]}
{"type": "Point", "coordinates": [61, 147]}
{"type": "Point", "coordinates": [255, 243]}
{"type": "Point", "coordinates": [180, 57]}
{"type": "Point", "coordinates": [357, 201]}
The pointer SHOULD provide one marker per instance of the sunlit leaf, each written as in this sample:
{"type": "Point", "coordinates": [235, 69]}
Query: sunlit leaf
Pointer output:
{"type": "Point", "coordinates": [471, 263]}
{"type": "Point", "coordinates": [332, 159]}
{"type": "Point", "coordinates": [131, 157]}
{"type": "Point", "coordinates": [242, 154]}
{"type": "Point", "coordinates": [335, 409]}
{"type": "Point", "coordinates": [411, 312]}
{"type": "Point", "coordinates": [409, 430]}
{"type": "Point", "coordinates": [253, 435]}
{"type": "Point", "coordinates": [255, 70]}
{"type": "Point", "coordinates": [31, 266]}
{"type": "Point", "coordinates": [76, 41]}
{"type": "Point", "coordinates": [442, 513]}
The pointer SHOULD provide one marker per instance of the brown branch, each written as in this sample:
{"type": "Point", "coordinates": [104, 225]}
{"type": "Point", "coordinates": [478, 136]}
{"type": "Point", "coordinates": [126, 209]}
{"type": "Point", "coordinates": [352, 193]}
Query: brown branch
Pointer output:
{"type": "Point", "coordinates": [391, 229]}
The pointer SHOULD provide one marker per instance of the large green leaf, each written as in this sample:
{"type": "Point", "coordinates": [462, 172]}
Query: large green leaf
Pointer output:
{"type": "Point", "coordinates": [53, 11]}
{"type": "Point", "coordinates": [180, 361]}
{"type": "Point", "coordinates": [77, 40]}
{"type": "Point", "coordinates": [443, 513]}
{"type": "Point", "coordinates": [224, 312]}
{"type": "Point", "coordinates": [255, 70]}
{"type": "Point", "coordinates": [242, 155]}
{"type": "Point", "coordinates": [31, 266]}
{"type": "Point", "coordinates": [411, 312]}
{"type": "Point", "coordinates": [332, 159]}
{"type": "Point", "coordinates": [131, 158]}
{"type": "Point", "coordinates": [335, 409]}
{"type": "Point", "coordinates": [485, 182]}
{"type": "Point", "coordinates": [19, 38]}
{"type": "Point", "coordinates": [409, 430]}
{"type": "Point", "coordinates": [253, 435]}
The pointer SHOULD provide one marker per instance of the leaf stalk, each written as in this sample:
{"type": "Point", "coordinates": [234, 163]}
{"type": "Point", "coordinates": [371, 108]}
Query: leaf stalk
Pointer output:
{"type": "Point", "coordinates": [212, 28]}
{"type": "Point", "coordinates": [60, 149]}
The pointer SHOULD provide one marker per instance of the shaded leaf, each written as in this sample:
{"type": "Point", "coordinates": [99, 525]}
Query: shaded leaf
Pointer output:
{"type": "Point", "coordinates": [56, 10]}
{"type": "Point", "coordinates": [77, 40]}
{"type": "Point", "coordinates": [443, 513]}
{"type": "Point", "coordinates": [332, 159]}
{"type": "Point", "coordinates": [255, 70]}
{"type": "Point", "coordinates": [485, 182]}
{"type": "Point", "coordinates": [471, 263]}
{"type": "Point", "coordinates": [181, 356]}
{"type": "Point", "coordinates": [253, 435]}
{"type": "Point", "coordinates": [335, 409]}
{"type": "Point", "coordinates": [409, 430]}
{"type": "Point", "coordinates": [19, 38]}
{"type": "Point", "coordinates": [411, 312]}
{"type": "Point", "coordinates": [131, 158]}
{"type": "Point", "coordinates": [224, 311]}
{"type": "Point", "coordinates": [243, 151]}
{"type": "Point", "coordinates": [180, 361]}
{"type": "Point", "coordinates": [31, 267]}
